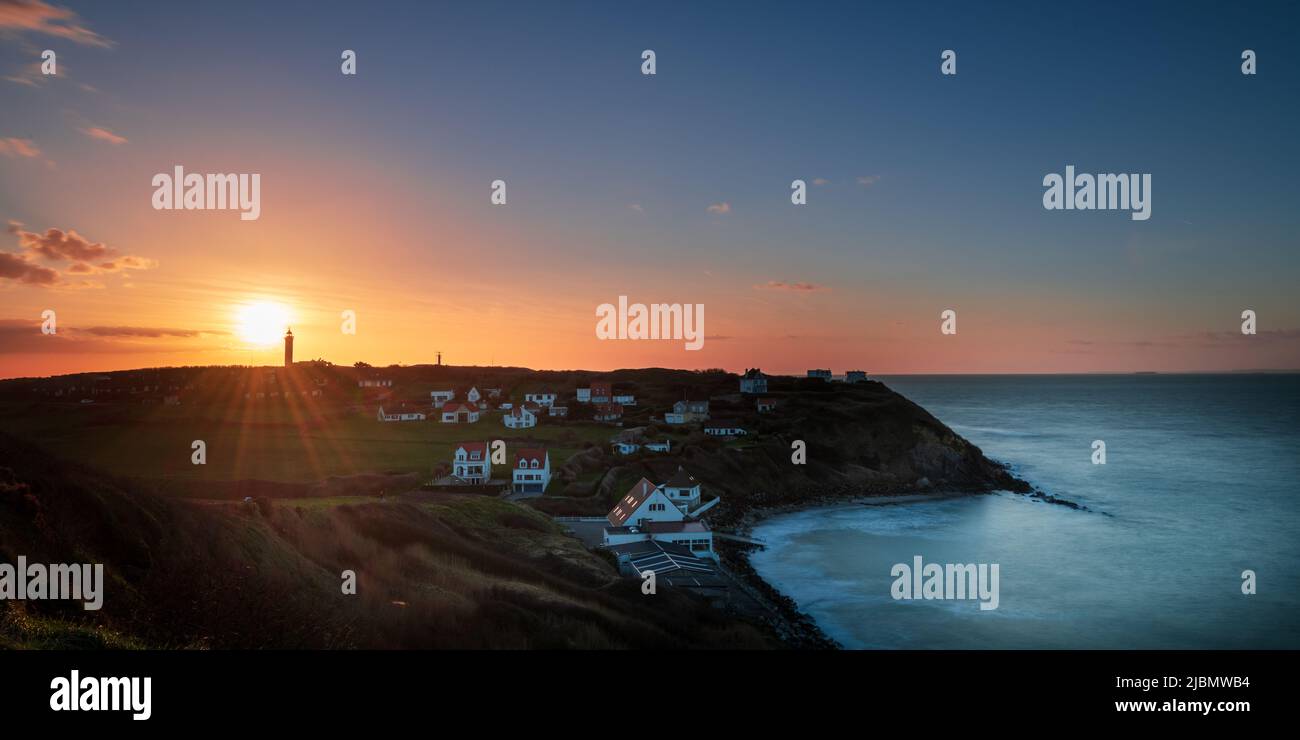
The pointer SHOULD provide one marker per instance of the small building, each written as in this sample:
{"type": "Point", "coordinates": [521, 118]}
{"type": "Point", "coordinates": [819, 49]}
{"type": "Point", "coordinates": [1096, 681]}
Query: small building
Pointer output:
{"type": "Point", "coordinates": [471, 462]}
{"type": "Point", "coordinates": [608, 412]}
{"type": "Point", "coordinates": [687, 412]}
{"type": "Point", "coordinates": [460, 412]}
{"type": "Point", "coordinates": [562, 411]}
{"type": "Point", "coordinates": [532, 471]}
{"type": "Point", "coordinates": [646, 512]}
{"type": "Point", "coordinates": [400, 415]}
{"type": "Point", "coordinates": [753, 381]}
{"type": "Point", "coordinates": [724, 428]}
{"type": "Point", "coordinates": [520, 417]}
{"type": "Point", "coordinates": [375, 383]}
{"type": "Point", "coordinates": [473, 395]}
{"type": "Point", "coordinates": [438, 398]}
{"type": "Point", "coordinates": [584, 395]}
{"type": "Point", "coordinates": [766, 404]}
{"type": "Point", "coordinates": [541, 398]}
{"type": "Point", "coordinates": [683, 490]}
{"type": "Point", "coordinates": [624, 399]}
{"type": "Point", "coordinates": [602, 392]}
{"type": "Point", "coordinates": [820, 374]}
{"type": "Point", "coordinates": [623, 447]}
{"type": "Point", "coordinates": [855, 376]}
{"type": "Point", "coordinates": [672, 565]}
{"type": "Point", "coordinates": [658, 445]}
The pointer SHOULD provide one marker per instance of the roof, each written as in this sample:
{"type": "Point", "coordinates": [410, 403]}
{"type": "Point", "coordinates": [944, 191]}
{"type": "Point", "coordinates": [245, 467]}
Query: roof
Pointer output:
{"type": "Point", "coordinates": [682, 479]}
{"type": "Point", "coordinates": [472, 446]}
{"type": "Point", "coordinates": [601, 385]}
{"type": "Point", "coordinates": [630, 502]}
{"type": "Point", "coordinates": [753, 373]}
{"type": "Point", "coordinates": [520, 409]}
{"type": "Point", "coordinates": [531, 453]}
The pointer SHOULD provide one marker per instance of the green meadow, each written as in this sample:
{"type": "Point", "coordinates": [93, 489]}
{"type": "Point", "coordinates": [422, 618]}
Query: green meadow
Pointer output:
{"type": "Point", "coordinates": [274, 442]}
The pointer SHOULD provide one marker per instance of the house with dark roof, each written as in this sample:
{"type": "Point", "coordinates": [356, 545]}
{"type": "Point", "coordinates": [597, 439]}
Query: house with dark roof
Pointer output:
{"type": "Point", "coordinates": [532, 470]}
{"type": "Point", "coordinates": [672, 564]}
{"type": "Point", "coordinates": [753, 381]}
{"type": "Point", "coordinates": [683, 490]}
{"type": "Point", "coordinates": [647, 512]}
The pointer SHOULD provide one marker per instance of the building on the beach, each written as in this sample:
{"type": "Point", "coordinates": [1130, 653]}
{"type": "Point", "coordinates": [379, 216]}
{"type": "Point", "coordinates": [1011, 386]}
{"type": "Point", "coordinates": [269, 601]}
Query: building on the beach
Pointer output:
{"type": "Point", "coordinates": [646, 512]}
{"type": "Point", "coordinates": [671, 564]}
{"type": "Point", "coordinates": [855, 376]}
{"type": "Point", "coordinates": [532, 471]}
{"type": "Point", "coordinates": [471, 463]}
{"type": "Point", "coordinates": [400, 415]}
{"type": "Point", "coordinates": [460, 412]}
{"type": "Point", "coordinates": [683, 490]}
{"type": "Point", "coordinates": [753, 381]}
{"type": "Point", "coordinates": [820, 374]}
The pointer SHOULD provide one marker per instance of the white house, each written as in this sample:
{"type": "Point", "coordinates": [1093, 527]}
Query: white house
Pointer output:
{"type": "Point", "coordinates": [625, 399]}
{"type": "Point", "coordinates": [753, 381]}
{"type": "Point", "coordinates": [855, 376]}
{"type": "Point", "coordinates": [400, 415]}
{"type": "Point", "coordinates": [646, 513]}
{"type": "Point", "coordinates": [584, 395]}
{"type": "Point", "coordinates": [438, 398]}
{"type": "Point", "coordinates": [473, 396]}
{"type": "Point", "coordinates": [557, 410]}
{"type": "Point", "coordinates": [659, 446]}
{"type": "Point", "coordinates": [541, 398]}
{"type": "Point", "coordinates": [520, 417]}
{"type": "Point", "coordinates": [683, 490]}
{"type": "Point", "coordinates": [532, 471]}
{"type": "Point", "coordinates": [625, 448]}
{"type": "Point", "coordinates": [822, 374]}
{"type": "Point", "coordinates": [687, 412]}
{"type": "Point", "coordinates": [460, 412]}
{"type": "Point", "coordinates": [724, 429]}
{"type": "Point", "coordinates": [471, 463]}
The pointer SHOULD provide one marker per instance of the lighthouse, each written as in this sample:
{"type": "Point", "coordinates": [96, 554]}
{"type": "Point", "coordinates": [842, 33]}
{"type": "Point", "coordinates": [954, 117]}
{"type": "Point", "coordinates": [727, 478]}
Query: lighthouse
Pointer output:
{"type": "Point", "coordinates": [288, 348]}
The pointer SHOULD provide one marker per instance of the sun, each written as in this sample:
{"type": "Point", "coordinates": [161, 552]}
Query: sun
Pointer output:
{"type": "Point", "coordinates": [262, 323]}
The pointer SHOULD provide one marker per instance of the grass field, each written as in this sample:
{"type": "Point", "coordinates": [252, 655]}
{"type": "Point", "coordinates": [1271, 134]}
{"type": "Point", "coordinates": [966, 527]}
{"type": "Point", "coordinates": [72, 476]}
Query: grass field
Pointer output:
{"type": "Point", "coordinates": [266, 442]}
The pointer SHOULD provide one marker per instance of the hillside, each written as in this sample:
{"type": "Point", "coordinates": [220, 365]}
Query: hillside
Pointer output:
{"type": "Point", "coordinates": [447, 572]}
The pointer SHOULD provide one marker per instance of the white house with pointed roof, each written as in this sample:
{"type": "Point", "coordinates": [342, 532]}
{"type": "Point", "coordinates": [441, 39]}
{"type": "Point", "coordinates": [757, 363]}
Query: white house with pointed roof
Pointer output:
{"type": "Point", "coordinates": [646, 512]}
{"type": "Point", "coordinates": [683, 490]}
{"type": "Point", "coordinates": [460, 412]}
{"type": "Point", "coordinates": [520, 417]}
{"type": "Point", "coordinates": [753, 381]}
{"type": "Point", "coordinates": [532, 471]}
{"type": "Point", "coordinates": [471, 462]}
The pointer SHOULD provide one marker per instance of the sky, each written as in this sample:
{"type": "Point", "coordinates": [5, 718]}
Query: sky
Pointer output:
{"type": "Point", "coordinates": [925, 191]}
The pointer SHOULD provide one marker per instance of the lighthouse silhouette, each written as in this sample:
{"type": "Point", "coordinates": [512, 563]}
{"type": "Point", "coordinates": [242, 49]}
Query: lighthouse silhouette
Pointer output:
{"type": "Point", "coordinates": [288, 348]}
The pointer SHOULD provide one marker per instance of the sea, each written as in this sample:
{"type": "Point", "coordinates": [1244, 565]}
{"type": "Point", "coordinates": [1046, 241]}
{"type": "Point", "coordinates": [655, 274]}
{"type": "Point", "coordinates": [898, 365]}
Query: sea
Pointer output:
{"type": "Point", "coordinates": [1190, 540]}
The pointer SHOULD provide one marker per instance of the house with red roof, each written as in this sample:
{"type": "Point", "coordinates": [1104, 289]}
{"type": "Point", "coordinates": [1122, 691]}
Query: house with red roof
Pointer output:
{"type": "Point", "coordinates": [460, 412]}
{"type": "Point", "coordinates": [532, 470]}
{"type": "Point", "coordinates": [602, 392]}
{"type": "Point", "coordinates": [471, 462]}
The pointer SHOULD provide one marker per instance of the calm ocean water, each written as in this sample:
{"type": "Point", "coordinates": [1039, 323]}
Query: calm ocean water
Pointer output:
{"type": "Point", "coordinates": [1201, 482]}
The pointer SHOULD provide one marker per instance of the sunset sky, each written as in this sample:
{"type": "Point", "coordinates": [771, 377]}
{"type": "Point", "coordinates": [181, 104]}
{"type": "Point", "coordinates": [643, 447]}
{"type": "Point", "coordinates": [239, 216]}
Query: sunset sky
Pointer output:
{"type": "Point", "coordinates": [925, 191]}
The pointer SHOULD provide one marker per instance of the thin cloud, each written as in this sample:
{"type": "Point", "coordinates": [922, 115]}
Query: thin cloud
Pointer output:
{"type": "Point", "coordinates": [782, 285]}
{"type": "Point", "coordinates": [11, 147]}
{"type": "Point", "coordinates": [821, 181]}
{"type": "Point", "coordinates": [142, 331]}
{"type": "Point", "coordinates": [868, 180]}
{"type": "Point", "coordinates": [35, 16]}
{"type": "Point", "coordinates": [720, 209]}
{"type": "Point", "coordinates": [103, 134]}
